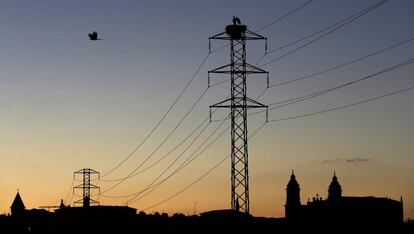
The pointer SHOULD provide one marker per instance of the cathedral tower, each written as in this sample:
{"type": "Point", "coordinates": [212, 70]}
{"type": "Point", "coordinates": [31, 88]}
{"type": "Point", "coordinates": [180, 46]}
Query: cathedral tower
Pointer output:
{"type": "Point", "coordinates": [292, 197]}
{"type": "Point", "coordinates": [335, 190]}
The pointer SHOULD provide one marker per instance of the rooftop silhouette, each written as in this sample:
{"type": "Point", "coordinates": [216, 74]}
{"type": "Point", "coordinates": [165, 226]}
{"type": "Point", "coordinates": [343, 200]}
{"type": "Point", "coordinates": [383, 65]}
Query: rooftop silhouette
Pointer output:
{"type": "Point", "coordinates": [341, 210]}
{"type": "Point", "coordinates": [366, 213]}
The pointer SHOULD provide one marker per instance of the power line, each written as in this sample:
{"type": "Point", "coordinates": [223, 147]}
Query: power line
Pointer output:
{"type": "Point", "coordinates": [277, 120]}
{"type": "Point", "coordinates": [161, 120]}
{"type": "Point", "coordinates": [71, 198]}
{"type": "Point", "coordinates": [69, 192]}
{"type": "Point", "coordinates": [205, 120]}
{"type": "Point", "coordinates": [154, 187]}
{"type": "Point", "coordinates": [221, 162]}
{"type": "Point", "coordinates": [341, 24]}
{"type": "Point", "coordinates": [201, 177]}
{"type": "Point", "coordinates": [194, 152]}
{"type": "Point", "coordinates": [343, 64]}
{"type": "Point", "coordinates": [219, 48]}
{"type": "Point", "coordinates": [167, 154]}
{"type": "Point", "coordinates": [312, 95]}
{"type": "Point", "coordinates": [263, 27]}
{"type": "Point", "coordinates": [305, 97]}
{"type": "Point", "coordinates": [275, 21]}
{"type": "Point", "coordinates": [328, 69]}
{"type": "Point", "coordinates": [184, 163]}
{"type": "Point", "coordinates": [161, 144]}
{"type": "Point", "coordinates": [353, 18]}
{"type": "Point", "coordinates": [185, 150]}
{"type": "Point", "coordinates": [294, 100]}
{"type": "Point", "coordinates": [152, 131]}
{"type": "Point", "coordinates": [284, 16]}
{"type": "Point", "coordinates": [315, 74]}
{"type": "Point", "coordinates": [188, 161]}
{"type": "Point", "coordinates": [188, 186]}
{"type": "Point", "coordinates": [271, 23]}
{"type": "Point", "coordinates": [344, 106]}
{"type": "Point", "coordinates": [314, 33]}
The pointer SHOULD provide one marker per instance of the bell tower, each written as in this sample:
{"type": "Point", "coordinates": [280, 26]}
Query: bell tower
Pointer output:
{"type": "Point", "coordinates": [335, 189]}
{"type": "Point", "coordinates": [292, 205]}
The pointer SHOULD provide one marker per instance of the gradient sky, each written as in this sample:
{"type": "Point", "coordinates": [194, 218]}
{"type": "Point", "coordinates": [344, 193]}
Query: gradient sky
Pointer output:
{"type": "Point", "coordinates": [67, 103]}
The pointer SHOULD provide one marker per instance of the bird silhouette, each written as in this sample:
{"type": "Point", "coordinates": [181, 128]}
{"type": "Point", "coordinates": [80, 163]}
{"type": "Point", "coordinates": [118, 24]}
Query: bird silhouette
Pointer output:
{"type": "Point", "coordinates": [94, 36]}
{"type": "Point", "coordinates": [236, 20]}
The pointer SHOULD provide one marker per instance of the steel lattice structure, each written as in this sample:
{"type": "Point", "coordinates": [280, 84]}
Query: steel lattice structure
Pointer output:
{"type": "Point", "coordinates": [238, 103]}
{"type": "Point", "coordinates": [86, 186]}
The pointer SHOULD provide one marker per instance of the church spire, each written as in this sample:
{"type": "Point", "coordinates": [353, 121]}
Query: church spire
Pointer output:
{"type": "Point", "coordinates": [17, 207]}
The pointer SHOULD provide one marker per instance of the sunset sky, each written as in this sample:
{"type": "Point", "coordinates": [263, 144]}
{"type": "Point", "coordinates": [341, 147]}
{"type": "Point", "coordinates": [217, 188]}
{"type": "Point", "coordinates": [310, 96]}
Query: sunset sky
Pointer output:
{"type": "Point", "coordinates": [68, 103]}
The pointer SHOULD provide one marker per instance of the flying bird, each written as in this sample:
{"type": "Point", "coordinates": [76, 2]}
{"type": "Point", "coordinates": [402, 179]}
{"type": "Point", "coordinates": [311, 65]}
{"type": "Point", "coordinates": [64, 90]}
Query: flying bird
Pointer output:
{"type": "Point", "coordinates": [236, 20]}
{"type": "Point", "coordinates": [94, 36]}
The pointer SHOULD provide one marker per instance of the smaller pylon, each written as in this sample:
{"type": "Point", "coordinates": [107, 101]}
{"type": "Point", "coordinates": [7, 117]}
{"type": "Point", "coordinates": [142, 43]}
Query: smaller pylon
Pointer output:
{"type": "Point", "coordinates": [86, 186]}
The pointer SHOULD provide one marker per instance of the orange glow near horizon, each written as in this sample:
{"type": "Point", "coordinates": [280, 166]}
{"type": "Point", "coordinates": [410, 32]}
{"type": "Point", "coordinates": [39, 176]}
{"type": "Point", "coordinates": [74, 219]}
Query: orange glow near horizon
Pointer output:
{"type": "Point", "coordinates": [68, 103]}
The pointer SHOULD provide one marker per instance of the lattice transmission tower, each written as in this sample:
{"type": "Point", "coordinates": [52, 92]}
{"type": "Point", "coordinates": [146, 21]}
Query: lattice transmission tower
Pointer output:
{"type": "Point", "coordinates": [86, 186]}
{"type": "Point", "coordinates": [238, 103]}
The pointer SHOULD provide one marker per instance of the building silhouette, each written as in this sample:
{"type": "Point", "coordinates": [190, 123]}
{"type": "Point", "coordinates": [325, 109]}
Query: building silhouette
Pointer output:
{"type": "Point", "coordinates": [341, 210]}
{"type": "Point", "coordinates": [17, 208]}
{"type": "Point", "coordinates": [292, 207]}
{"type": "Point", "coordinates": [336, 213]}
